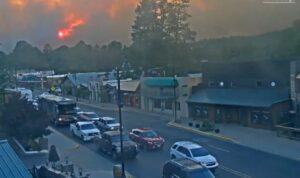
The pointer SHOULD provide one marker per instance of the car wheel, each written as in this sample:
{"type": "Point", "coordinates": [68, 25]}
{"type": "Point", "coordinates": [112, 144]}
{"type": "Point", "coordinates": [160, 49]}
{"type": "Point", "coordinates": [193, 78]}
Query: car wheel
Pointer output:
{"type": "Point", "coordinates": [82, 138]}
{"type": "Point", "coordinates": [173, 157]}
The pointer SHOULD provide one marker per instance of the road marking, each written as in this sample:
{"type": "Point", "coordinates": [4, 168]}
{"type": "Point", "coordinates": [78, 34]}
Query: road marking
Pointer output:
{"type": "Point", "coordinates": [218, 148]}
{"type": "Point", "coordinates": [234, 172]}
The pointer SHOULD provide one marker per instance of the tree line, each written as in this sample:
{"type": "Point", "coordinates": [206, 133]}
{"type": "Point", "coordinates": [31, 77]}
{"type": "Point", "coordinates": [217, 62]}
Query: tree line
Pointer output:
{"type": "Point", "coordinates": [161, 37]}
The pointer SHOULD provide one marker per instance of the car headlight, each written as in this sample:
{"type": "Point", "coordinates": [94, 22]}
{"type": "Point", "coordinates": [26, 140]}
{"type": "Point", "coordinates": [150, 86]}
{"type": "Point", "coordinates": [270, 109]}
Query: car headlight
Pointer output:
{"type": "Point", "coordinates": [60, 119]}
{"type": "Point", "coordinates": [112, 128]}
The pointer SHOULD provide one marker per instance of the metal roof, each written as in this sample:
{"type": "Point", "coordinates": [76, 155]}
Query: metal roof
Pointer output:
{"type": "Point", "coordinates": [240, 97]}
{"type": "Point", "coordinates": [10, 164]}
{"type": "Point", "coordinates": [130, 86]}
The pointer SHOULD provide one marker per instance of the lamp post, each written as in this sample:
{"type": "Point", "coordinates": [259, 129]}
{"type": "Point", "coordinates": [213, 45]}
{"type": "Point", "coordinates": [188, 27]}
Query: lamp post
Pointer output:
{"type": "Point", "coordinates": [120, 105]}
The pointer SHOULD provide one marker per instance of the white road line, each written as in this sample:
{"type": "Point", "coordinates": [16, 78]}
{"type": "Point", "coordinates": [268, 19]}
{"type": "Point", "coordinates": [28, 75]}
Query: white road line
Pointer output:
{"type": "Point", "coordinates": [234, 172]}
{"type": "Point", "coordinates": [218, 148]}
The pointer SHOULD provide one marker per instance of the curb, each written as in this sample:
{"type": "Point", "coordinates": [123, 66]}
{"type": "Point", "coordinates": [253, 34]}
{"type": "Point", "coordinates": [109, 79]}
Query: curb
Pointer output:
{"type": "Point", "coordinates": [217, 136]}
{"type": "Point", "coordinates": [29, 152]}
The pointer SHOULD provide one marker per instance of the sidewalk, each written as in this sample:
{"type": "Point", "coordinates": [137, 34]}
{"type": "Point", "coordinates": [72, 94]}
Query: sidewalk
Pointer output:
{"type": "Point", "coordinates": [80, 156]}
{"type": "Point", "coordinates": [259, 139]}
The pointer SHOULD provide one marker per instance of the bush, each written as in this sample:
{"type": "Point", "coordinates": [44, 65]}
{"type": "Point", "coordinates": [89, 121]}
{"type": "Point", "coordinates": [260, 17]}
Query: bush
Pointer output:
{"type": "Point", "coordinates": [207, 126]}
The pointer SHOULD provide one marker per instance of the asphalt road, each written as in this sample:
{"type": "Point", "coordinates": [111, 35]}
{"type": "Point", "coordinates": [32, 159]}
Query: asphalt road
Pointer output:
{"type": "Point", "coordinates": [235, 161]}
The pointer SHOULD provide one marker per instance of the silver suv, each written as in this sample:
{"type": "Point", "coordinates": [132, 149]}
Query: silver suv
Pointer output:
{"type": "Point", "coordinates": [195, 152]}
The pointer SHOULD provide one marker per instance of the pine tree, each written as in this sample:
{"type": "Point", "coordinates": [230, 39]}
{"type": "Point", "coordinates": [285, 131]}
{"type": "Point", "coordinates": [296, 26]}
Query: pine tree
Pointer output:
{"type": "Point", "coordinates": [177, 25]}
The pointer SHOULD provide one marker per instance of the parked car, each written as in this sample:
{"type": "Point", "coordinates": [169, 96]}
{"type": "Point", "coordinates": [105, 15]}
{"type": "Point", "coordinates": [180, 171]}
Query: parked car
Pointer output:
{"type": "Point", "coordinates": [78, 110]}
{"type": "Point", "coordinates": [146, 138]}
{"type": "Point", "coordinates": [107, 124]}
{"type": "Point", "coordinates": [185, 168]}
{"type": "Point", "coordinates": [110, 143]}
{"type": "Point", "coordinates": [84, 130]}
{"type": "Point", "coordinates": [195, 152]}
{"type": "Point", "coordinates": [88, 116]}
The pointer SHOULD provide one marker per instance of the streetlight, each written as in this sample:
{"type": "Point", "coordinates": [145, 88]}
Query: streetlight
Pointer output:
{"type": "Point", "coordinates": [120, 105]}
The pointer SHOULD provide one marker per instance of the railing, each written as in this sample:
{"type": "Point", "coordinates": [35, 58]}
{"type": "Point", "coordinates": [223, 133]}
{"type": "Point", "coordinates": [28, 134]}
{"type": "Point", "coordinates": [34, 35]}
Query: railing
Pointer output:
{"type": "Point", "coordinates": [285, 130]}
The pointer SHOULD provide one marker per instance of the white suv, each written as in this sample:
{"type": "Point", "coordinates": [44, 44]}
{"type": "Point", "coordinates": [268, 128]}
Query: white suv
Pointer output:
{"type": "Point", "coordinates": [195, 152]}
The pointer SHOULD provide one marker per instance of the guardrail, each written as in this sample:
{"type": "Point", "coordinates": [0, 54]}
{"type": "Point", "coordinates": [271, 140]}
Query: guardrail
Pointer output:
{"type": "Point", "coordinates": [285, 130]}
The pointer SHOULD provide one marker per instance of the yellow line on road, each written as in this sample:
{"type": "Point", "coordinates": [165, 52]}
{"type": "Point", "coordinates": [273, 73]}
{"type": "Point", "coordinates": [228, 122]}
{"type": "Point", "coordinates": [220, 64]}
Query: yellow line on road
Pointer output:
{"type": "Point", "coordinates": [234, 172]}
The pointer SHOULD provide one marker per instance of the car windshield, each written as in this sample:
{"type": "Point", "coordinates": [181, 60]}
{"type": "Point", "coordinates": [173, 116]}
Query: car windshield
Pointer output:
{"type": "Point", "coordinates": [87, 126]}
{"type": "Point", "coordinates": [111, 121]}
{"type": "Point", "coordinates": [91, 115]}
{"type": "Point", "coordinates": [200, 173]}
{"type": "Point", "coordinates": [197, 152]}
{"type": "Point", "coordinates": [149, 134]}
{"type": "Point", "coordinates": [116, 138]}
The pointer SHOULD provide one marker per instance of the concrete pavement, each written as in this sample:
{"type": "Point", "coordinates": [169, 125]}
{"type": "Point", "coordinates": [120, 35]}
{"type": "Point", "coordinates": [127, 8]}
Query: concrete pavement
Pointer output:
{"type": "Point", "coordinates": [81, 156]}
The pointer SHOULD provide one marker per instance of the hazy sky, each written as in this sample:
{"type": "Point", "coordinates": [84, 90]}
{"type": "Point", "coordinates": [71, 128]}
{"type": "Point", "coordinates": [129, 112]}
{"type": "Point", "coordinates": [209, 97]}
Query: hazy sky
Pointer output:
{"type": "Point", "coordinates": [61, 22]}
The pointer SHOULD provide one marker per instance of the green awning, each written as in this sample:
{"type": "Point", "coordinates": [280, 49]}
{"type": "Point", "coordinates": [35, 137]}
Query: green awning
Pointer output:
{"type": "Point", "coordinates": [161, 82]}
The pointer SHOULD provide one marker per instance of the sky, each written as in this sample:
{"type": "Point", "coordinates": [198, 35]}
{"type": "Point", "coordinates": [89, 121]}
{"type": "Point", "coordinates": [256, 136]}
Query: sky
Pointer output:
{"type": "Point", "coordinates": [66, 22]}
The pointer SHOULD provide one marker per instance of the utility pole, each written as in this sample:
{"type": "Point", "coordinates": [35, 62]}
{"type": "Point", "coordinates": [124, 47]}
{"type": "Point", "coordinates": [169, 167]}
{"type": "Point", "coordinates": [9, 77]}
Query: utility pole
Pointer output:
{"type": "Point", "coordinates": [120, 105]}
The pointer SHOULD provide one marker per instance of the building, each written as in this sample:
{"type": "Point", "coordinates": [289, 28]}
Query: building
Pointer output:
{"type": "Point", "coordinates": [252, 94]}
{"type": "Point", "coordinates": [157, 94]}
{"type": "Point", "coordinates": [185, 87]}
{"type": "Point", "coordinates": [81, 84]}
{"type": "Point", "coordinates": [130, 92]}
{"type": "Point", "coordinates": [295, 91]}
{"type": "Point", "coordinates": [10, 164]}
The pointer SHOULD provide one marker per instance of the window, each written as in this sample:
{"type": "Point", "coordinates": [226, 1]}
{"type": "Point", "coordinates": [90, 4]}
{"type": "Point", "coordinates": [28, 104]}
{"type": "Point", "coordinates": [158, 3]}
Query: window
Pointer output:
{"type": "Point", "coordinates": [197, 152]}
{"type": "Point", "coordinates": [168, 104]}
{"type": "Point", "coordinates": [259, 84]}
{"type": "Point", "coordinates": [184, 151]}
{"type": "Point", "coordinates": [211, 84]}
{"type": "Point", "coordinates": [178, 105]}
{"type": "Point", "coordinates": [232, 84]}
{"type": "Point", "coordinates": [174, 146]}
{"type": "Point", "coordinates": [136, 132]}
{"type": "Point", "coordinates": [157, 103]}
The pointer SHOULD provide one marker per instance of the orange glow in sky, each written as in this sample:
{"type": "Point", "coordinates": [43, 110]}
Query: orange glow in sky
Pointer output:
{"type": "Point", "coordinates": [72, 23]}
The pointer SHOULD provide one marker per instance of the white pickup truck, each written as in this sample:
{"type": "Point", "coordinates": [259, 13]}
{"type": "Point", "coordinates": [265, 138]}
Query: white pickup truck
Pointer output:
{"type": "Point", "coordinates": [84, 130]}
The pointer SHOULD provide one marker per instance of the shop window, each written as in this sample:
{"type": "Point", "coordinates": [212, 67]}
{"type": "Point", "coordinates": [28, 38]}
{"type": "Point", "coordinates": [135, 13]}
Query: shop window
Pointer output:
{"type": "Point", "coordinates": [211, 84]}
{"type": "Point", "coordinates": [178, 106]}
{"type": "Point", "coordinates": [157, 104]}
{"type": "Point", "coordinates": [168, 104]}
{"type": "Point", "coordinates": [259, 84]}
{"type": "Point", "coordinates": [232, 85]}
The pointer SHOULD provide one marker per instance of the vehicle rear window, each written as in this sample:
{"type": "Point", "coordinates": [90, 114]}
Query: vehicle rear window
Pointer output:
{"type": "Point", "coordinates": [111, 121]}
{"type": "Point", "coordinates": [87, 126]}
{"type": "Point", "coordinates": [91, 115]}
{"type": "Point", "coordinates": [149, 134]}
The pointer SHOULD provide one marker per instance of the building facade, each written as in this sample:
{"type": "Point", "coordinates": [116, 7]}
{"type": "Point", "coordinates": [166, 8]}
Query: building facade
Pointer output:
{"type": "Point", "coordinates": [254, 94]}
{"type": "Point", "coordinates": [158, 94]}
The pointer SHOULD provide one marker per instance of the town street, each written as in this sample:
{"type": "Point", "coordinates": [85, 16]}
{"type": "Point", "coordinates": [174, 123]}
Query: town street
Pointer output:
{"type": "Point", "coordinates": [235, 161]}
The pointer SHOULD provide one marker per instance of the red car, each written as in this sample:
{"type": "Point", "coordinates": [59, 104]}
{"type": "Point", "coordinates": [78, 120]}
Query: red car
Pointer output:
{"type": "Point", "coordinates": [146, 138]}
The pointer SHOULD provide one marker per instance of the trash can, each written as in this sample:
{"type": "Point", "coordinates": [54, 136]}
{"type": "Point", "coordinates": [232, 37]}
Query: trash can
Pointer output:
{"type": "Point", "coordinates": [118, 171]}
